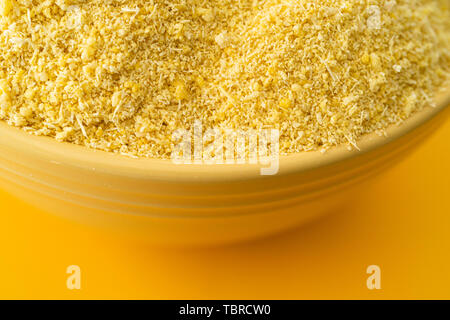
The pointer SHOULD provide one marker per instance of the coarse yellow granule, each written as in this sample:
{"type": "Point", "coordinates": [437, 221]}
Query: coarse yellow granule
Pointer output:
{"type": "Point", "coordinates": [123, 75]}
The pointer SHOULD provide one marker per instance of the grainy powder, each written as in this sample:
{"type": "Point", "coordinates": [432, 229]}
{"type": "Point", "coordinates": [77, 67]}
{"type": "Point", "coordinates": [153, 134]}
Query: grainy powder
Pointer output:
{"type": "Point", "coordinates": [123, 75]}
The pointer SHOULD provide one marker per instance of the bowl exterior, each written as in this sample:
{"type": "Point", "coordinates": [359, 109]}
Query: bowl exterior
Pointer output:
{"type": "Point", "coordinates": [199, 211]}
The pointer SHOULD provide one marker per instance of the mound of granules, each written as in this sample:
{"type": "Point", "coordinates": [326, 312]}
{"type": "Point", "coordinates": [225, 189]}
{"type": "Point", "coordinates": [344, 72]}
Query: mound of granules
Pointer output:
{"type": "Point", "coordinates": [122, 76]}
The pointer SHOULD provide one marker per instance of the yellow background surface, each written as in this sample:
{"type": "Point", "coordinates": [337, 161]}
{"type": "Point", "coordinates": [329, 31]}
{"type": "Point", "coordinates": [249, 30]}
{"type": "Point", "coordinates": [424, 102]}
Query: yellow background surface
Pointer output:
{"type": "Point", "coordinates": [402, 224]}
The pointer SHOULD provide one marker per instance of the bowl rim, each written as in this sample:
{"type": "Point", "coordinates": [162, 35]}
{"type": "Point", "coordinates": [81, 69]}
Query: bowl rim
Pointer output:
{"type": "Point", "coordinates": [85, 158]}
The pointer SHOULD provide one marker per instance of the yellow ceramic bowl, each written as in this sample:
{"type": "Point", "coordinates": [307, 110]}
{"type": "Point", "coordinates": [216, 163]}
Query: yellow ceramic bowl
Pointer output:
{"type": "Point", "coordinates": [188, 204]}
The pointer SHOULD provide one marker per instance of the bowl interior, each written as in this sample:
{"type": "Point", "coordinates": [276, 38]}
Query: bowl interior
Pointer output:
{"type": "Point", "coordinates": [78, 156]}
